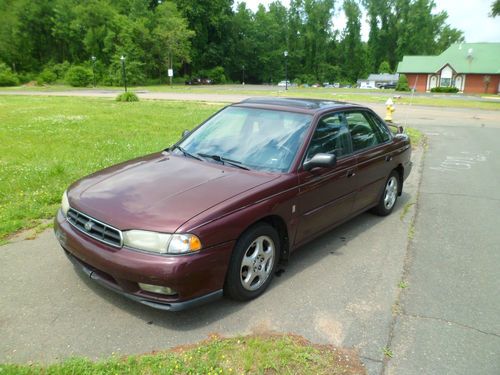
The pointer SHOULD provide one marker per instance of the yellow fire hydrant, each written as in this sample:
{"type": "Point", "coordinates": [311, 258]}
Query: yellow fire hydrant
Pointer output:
{"type": "Point", "coordinates": [389, 108]}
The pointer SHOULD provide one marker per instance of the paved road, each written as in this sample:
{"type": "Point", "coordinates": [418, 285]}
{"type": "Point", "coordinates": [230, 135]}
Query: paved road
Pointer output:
{"type": "Point", "coordinates": [341, 289]}
{"type": "Point", "coordinates": [230, 89]}
{"type": "Point", "coordinates": [450, 321]}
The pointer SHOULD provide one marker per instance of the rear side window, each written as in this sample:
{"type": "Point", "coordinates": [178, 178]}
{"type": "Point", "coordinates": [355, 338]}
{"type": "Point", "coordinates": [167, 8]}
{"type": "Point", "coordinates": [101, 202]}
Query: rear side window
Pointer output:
{"type": "Point", "coordinates": [330, 137]}
{"type": "Point", "coordinates": [383, 131]}
{"type": "Point", "coordinates": [364, 133]}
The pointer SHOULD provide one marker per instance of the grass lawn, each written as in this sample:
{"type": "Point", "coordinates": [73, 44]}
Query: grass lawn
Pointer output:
{"type": "Point", "coordinates": [240, 355]}
{"type": "Point", "coordinates": [46, 143]}
{"type": "Point", "coordinates": [342, 94]}
{"type": "Point", "coordinates": [346, 95]}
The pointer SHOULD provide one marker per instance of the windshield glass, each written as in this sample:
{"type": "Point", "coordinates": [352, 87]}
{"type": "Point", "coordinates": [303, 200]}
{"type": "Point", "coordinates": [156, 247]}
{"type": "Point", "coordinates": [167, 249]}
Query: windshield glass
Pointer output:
{"type": "Point", "coordinates": [257, 138]}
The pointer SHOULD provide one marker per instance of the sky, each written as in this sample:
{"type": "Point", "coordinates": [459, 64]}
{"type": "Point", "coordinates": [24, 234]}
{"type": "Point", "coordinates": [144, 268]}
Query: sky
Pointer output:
{"type": "Point", "coordinates": [469, 16]}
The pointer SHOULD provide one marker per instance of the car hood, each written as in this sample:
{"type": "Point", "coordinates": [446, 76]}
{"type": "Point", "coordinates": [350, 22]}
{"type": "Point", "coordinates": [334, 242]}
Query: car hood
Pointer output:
{"type": "Point", "coordinates": [159, 192]}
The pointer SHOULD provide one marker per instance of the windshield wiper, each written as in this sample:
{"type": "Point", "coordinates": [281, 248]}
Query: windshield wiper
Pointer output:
{"type": "Point", "coordinates": [224, 160]}
{"type": "Point", "coordinates": [181, 149]}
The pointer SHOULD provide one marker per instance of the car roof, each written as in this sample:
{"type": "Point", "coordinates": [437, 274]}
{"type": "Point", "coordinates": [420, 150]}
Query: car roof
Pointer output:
{"type": "Point", "coordinates": [295, 104]}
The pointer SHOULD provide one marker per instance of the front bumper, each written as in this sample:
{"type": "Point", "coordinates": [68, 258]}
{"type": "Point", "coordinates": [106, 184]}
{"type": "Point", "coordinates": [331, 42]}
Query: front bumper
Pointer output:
{"type": "Point", "coordinates": [197, 278]}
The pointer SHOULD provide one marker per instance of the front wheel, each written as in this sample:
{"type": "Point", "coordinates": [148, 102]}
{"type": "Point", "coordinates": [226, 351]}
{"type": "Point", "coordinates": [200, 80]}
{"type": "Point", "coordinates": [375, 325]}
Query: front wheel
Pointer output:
{"type": "Point", "coordinates": [389, 195]}
{"type": "Point", "coordinates": [253, 262]}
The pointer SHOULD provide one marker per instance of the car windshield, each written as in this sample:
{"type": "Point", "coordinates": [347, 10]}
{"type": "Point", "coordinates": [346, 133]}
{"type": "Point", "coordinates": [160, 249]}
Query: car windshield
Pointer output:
{"type": "Point", "coordinates": [253, 138]}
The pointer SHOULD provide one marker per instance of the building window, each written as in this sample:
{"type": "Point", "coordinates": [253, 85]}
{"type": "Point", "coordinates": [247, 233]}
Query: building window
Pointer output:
{"type": "Point", "coordinates": [445, 82]}
{"type": "Point", "coordinates": [446, 77]}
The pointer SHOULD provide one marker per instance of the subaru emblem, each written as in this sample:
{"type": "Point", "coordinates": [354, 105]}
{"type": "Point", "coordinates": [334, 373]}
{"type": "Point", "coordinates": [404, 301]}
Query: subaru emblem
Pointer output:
{"type": "Point", "coordinates": [88, 226]}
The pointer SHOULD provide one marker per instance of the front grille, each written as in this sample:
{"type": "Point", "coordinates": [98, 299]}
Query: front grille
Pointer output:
{"type": "Point", "coordinates": [94, 228]}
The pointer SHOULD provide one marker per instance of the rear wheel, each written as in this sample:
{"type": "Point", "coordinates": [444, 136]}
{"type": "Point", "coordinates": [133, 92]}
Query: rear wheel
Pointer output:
{"type": "Point", "coordinates": [253, 262]}
{"type": "Point", "coordinates": [389, 195]}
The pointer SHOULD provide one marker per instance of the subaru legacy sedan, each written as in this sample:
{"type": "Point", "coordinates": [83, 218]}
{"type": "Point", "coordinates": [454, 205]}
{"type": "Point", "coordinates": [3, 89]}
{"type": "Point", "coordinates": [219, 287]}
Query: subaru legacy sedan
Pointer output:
{"type": "Point", "coordinates": [215, 213]}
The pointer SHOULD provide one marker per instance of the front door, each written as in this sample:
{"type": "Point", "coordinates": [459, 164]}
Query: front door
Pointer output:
{"type": "Point", "coordinates": [326, 195]}
{"type": "Point", "coordinates": [370, 141]}
{"type": "Point", "coordinates": [433, 82]}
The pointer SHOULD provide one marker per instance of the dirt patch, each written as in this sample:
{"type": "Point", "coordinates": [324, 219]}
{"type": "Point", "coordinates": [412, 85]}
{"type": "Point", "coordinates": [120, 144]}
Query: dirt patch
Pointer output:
{"type": "Point", "coordinates": [30, 234]}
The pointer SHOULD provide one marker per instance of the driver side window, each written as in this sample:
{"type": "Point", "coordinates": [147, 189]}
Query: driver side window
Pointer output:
{"type": "Point", "coordinates": [363, 133]}
{"type": "Point", "coordinates": [330, 137]}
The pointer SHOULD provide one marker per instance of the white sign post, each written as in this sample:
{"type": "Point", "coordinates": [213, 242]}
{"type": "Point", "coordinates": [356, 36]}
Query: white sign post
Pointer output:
{"type": "Point", "coordinates": [170, 75]}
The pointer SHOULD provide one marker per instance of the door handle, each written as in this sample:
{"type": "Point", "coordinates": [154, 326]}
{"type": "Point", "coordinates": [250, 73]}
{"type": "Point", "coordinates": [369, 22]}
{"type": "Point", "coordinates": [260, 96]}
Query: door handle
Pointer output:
{"type": "Point", "coordinates": [388, 158]}
{"type": "Point", "coordinates": [351, 173]}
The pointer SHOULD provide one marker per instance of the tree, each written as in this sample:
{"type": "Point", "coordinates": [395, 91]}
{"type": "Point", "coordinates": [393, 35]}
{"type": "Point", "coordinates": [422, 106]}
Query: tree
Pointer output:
{"type": "Point", "coordinates": [172, 35]}
{"type": "Point", "coordinates": [243, 42]}
{"type": "Point", "coordinates": [354, 54]}
{"type": "Point", "coordinates": [210, 20]}
{"type": "Point", "coordinates": [384, 67]}
{"type": "Point", "coordinates": [317, 32]}
{"type": "Point", "coordinates": [495, 8]}
{"type": "Point", "coordinates": [382, 31]}
{"type": "Point", "coordinates": [402, 83]}
{"type": "Point", "coordinates": [406, 27]}
{"type": "Point", "coordinates": [199, 35]}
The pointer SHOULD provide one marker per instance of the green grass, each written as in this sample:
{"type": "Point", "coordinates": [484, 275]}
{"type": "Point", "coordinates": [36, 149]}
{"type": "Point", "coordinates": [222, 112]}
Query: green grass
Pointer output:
{"type": "Point", "coordinates": [240, 355]}
{"type": "Point", "coordinates": [387, 352]}
{"type": "Point", "coordinates": [405, 210]}
{"type": "Point", "coordinates": [416, 136]}
{"type": "Point", "coordinates": [46, 143]}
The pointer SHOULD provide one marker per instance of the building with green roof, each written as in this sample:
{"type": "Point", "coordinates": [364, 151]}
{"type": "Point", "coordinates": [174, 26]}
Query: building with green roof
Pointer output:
{"type": "Point", "coordinates": [470, 67]}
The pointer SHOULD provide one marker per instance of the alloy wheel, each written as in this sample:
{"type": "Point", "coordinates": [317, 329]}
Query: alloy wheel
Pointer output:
{"type": "Point", "coordinates": [257, 263]}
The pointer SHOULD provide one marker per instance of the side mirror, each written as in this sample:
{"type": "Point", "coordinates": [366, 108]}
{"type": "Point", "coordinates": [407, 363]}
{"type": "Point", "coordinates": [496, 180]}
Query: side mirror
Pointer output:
{"type": "Point", "coordinates": [185, 133]}
{"type": "Point", "coordinates": [401, 136]}
{"type": "Point", "coordinates": [320, 161]}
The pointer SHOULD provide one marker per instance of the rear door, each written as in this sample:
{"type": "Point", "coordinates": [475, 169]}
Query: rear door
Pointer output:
{"type": "Point", "coordinates": [326, 195]}
{"type": "Point", "coordinates": [371, 143]}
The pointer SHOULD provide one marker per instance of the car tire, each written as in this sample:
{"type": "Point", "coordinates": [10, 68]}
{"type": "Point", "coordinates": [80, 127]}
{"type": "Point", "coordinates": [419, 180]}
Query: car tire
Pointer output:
{"type": "Point", "coordinates": [253, 263]}
{"type": "Point", "coordinates": [389, 195]}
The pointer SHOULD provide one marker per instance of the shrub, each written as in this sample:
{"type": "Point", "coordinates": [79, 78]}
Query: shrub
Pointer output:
{"type": "Point", "coordinates": [127, 97]}
{"type": "Point", "coordinates": [26, 77]}
{"type": "Point", "coordinates": [134, 71]}
{"type": "Point", "coordinates": [453, 90]}
{"type": "Point", "coordinates": [327, 73]}
{"type": "Point", "coordinates": [307, 78]}
{"type": "Point", "coordinates": [78, 76]}
{"type": "Point", "coordinates": [7, 77]}
{"type": "Point", "coordinates": [217, 74]}
{"type": "Point", "coordinates": [46, 76]}
{"type": "Point", "coordinates": [402, 83]}
{"type": "Point", "coordinates": [384, 67]}
{"type": "Point", "coordinates": [60, 70]}
{"type": "Point", "coordinates": [180, 79]}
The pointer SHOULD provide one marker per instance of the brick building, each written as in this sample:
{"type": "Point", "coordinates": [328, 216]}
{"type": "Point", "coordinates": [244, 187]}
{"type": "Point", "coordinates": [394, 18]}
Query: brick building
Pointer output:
{"type": "Point", "coordinates": [470, 67]}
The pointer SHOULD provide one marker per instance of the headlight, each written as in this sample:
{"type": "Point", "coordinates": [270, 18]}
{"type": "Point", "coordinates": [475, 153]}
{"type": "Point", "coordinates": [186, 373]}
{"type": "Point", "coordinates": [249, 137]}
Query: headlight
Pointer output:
{"type": "Point", "coordinates": [162, 243]}
{"type": "Point", "coordinates": [183, 243]}
{"type": "Point", "coordinates": [65, 204]}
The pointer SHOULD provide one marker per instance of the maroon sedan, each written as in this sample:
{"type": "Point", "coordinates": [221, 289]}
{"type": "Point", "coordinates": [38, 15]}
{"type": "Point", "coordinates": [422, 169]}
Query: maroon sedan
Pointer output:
{"type": "Point", "coordinates": [215, 213]}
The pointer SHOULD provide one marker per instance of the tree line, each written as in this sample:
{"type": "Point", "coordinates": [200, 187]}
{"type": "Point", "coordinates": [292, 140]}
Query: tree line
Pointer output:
{"type": "Point", "coordinates": [44, 39]}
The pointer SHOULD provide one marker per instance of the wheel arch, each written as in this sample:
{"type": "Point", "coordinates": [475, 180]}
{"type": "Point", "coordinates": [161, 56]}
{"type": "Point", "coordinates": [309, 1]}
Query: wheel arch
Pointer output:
{"type": "Point", "coordinates": [278, 223]}
{"type": "Point", "coordinates": [401, 172]}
